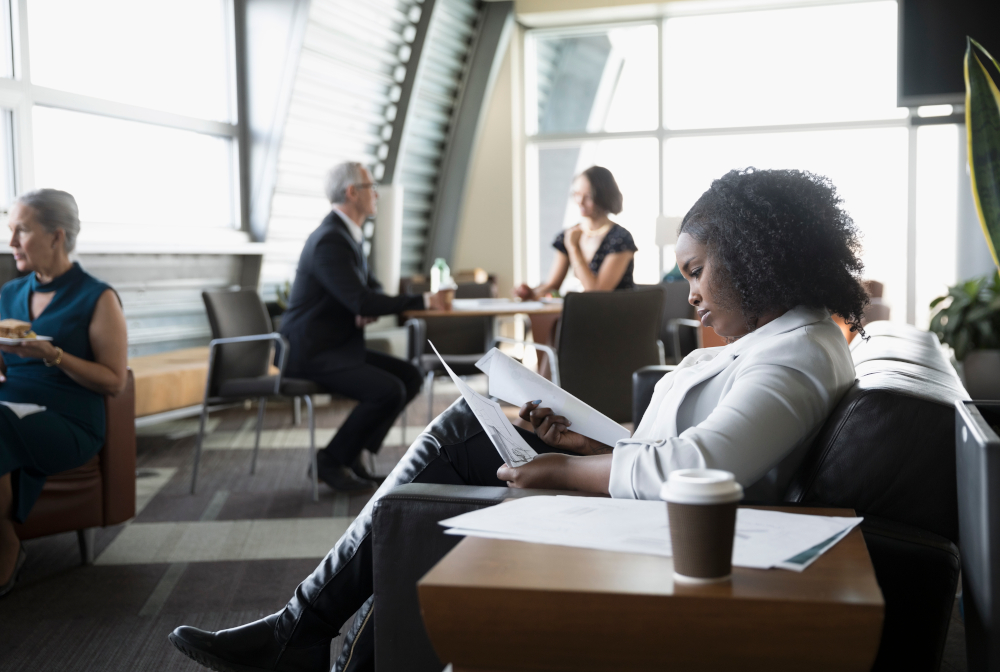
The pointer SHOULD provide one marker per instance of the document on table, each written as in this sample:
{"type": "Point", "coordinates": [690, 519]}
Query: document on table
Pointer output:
{"type": "Point", "coordinates": [23, 410]}
{"type": "Point", "coordinates": [495, 305]}
{"type": "Point", "coordinates": [512, 448]}
{"type": "Point", "coordinates": [764, 539]}
{"type": "Point", "coordinates": [516, 384]}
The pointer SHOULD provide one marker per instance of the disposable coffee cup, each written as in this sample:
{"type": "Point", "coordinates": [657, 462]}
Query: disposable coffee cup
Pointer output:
{"type": "Point", "coordinates": [701, 505]}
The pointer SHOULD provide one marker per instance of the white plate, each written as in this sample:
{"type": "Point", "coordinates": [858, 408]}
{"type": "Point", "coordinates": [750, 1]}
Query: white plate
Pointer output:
{"type": "Point", "coordinates": [16, 341]}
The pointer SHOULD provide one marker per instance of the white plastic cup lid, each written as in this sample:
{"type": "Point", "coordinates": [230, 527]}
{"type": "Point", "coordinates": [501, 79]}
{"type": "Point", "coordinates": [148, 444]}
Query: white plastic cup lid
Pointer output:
{"type": "Point", "coordinates": [701, 486]}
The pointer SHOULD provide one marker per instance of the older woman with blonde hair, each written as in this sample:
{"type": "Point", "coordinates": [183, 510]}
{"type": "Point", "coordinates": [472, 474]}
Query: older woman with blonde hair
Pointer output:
{"type": "Point", "coordinates": [68, 376]}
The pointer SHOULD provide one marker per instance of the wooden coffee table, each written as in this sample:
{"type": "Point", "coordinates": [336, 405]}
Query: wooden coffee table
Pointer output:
{"type": "Point", "coordinates": [492, 605]}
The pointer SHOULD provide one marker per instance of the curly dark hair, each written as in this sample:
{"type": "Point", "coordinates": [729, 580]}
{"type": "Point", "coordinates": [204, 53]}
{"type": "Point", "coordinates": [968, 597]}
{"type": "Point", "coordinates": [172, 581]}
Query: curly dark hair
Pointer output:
{"type": "Point", "coordinates": [603, 189]}
{"type": "Point", "coordinates": [781, 239]}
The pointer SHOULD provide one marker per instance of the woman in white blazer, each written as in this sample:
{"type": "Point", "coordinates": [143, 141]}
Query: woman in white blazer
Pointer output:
{"type": "Point", "coordinates": [768, 255]}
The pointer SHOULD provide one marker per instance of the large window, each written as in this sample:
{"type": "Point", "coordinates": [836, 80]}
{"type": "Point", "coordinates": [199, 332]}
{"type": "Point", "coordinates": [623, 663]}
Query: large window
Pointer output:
{"type": "Point", "coordinates": [670, 105]}
{"type": "Point", "coordinates": [129, 105]}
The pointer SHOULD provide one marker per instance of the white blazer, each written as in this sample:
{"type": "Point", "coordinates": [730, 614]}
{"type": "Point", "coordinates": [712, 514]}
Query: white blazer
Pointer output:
{"type": "Point", "coordinates": [745, 408]}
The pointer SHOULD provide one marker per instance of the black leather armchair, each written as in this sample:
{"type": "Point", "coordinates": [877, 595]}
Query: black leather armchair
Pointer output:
{"type": "Point", "coordinates": [887, 450]}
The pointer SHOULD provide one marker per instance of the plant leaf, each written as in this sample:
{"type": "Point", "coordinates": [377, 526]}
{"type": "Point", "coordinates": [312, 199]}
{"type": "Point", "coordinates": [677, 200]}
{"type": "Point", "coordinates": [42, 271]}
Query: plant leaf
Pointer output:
{"type": "Point", "coordinates": [982, 120]}
{"type": "Point", "coordinates": [961, 344]}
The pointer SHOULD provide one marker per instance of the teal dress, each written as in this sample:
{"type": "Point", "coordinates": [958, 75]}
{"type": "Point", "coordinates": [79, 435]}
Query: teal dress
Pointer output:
{"type": "Point", "coordinates": [71, 429]}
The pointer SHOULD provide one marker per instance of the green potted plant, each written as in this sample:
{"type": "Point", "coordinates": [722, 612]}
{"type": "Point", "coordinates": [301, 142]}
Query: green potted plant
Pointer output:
{"type": "Point", "coordinates": [968, 320]}
{"type": "Point", "coordinates": [969, 316]}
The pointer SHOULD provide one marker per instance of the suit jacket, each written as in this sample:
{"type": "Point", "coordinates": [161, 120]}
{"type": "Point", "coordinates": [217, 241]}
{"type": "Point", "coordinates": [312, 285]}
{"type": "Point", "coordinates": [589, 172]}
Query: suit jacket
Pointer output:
{"type": "Point", "coordinates": [751, 407]}
{"type": "Point", "coordinates": [333, 284]}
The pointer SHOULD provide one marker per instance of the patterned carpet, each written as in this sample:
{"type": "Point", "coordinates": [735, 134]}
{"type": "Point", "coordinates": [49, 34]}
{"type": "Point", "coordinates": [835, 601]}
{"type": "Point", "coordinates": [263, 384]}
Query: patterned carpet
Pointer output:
{"type": "Point", "coordinates": [230, 554]}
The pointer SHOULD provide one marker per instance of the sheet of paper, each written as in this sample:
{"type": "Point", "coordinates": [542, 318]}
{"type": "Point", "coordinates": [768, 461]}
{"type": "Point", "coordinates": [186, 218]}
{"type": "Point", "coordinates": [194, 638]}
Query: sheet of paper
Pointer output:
{"type": "Point", "coordinates": [495, 305]}
{"type": "Point", "coordinates": [516, 384]}
{"type": "Point", "coordinates": [23, 410]}
{"type": "Point", "coordinates": [799, 562]}
{"type": "Point", "coordinates": [512, 448]}
{"type": "Point", "coordinates": [769, 538]}
{"type": "Point", "coordinates": [764, 539]}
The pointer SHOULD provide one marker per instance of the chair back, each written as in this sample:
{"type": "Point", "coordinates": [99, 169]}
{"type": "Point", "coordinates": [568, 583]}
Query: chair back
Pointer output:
{"type": "Point", "coordinates": [676, 307]}
{"type": "Point", "coordinates": [455, 335]}
{"type": "Point", "coordinates": [603, 338]}
{"type": "Point", "coordinates": [237, 313]}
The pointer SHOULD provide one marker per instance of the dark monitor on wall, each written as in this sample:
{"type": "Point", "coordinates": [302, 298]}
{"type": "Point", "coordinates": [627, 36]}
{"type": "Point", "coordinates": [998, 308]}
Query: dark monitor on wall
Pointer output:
{"type": "Point", "coordinates": [932, 47]}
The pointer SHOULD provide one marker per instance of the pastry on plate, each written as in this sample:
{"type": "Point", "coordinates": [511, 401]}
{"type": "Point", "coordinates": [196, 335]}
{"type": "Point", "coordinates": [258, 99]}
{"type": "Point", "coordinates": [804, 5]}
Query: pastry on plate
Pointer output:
{"type": "Point", "coordinates": [15, 329]}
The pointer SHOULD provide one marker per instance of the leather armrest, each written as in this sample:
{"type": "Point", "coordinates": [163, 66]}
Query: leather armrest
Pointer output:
{"type": "Point", "coordinates": [643, 382]}
{"type": "Point", "coordinates": [118, 455]}
{"type": "Point", "coordinates": [406, 542]}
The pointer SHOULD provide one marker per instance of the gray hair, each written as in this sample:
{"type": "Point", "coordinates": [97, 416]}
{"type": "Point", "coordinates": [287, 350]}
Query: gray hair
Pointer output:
{"type": "Point", "coordinates": [55, 210]}
{"type": "Point", "coordinates": [340, 177]}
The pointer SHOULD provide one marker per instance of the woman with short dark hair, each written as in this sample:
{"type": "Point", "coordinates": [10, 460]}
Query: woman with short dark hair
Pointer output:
{"type": "Point", "coordinates": [768, 255]}
{"type": "Point", "coordinates": [599, 251]}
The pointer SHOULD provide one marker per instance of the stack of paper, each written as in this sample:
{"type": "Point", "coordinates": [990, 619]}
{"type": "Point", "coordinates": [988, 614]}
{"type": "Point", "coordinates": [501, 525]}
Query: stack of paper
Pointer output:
{"type": "Point", "coordinates": [764, 539]}
{"type": "Point", "coordinates": [516, 384]}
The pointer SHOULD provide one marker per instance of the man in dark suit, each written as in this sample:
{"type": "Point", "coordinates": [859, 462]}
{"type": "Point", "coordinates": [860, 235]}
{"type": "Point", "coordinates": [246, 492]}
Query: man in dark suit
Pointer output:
{"type": "Point", "coordinates": [334, 296]}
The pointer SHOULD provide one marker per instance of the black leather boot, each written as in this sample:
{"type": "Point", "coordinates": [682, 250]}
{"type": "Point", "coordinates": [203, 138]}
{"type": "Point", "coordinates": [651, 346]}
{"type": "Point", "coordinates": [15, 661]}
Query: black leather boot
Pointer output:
{"type": "Point", "coordinates": [297, 638]}
{"type": "Point", "coordinates": [254, 647]}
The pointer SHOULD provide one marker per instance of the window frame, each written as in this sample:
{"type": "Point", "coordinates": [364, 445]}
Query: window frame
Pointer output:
{"type": "Point", "coordinates": [19, 96]}
{"type": "Point", "coordinates": [531, 142]}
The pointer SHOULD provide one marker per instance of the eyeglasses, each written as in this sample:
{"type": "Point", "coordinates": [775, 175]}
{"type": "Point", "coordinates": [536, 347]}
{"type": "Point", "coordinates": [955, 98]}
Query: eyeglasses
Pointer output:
{"type": "Point", "coordinates": [368, 185]}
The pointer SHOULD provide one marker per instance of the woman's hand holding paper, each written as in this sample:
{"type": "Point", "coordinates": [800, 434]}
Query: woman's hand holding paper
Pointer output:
{"type": "Point", "coordinates": [554, 431]}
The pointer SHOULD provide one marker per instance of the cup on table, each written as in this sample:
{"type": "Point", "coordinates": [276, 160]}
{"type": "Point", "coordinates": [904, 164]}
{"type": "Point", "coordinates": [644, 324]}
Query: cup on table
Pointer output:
{"type": "Point", "coordinates": [442, 299]}
{"type": "Point", "coordinates": [701, 505]}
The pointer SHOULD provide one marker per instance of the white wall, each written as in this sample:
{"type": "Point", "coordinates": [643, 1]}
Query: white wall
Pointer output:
{"type": "Point", "coordinates": [486, 235]}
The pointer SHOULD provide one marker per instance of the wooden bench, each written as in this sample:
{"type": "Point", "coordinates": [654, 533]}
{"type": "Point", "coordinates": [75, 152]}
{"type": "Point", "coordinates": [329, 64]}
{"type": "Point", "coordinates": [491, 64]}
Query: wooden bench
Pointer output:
{"type": "Point", "coordinates": [170, 382]}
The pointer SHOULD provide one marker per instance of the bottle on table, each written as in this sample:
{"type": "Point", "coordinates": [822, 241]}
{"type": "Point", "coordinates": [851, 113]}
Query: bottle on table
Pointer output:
{"type": "Point", "coordinates": [441, 276]}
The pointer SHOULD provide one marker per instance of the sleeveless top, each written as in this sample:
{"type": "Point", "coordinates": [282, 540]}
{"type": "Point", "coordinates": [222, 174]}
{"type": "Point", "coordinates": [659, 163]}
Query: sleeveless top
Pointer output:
{"type": "Point", "coordinates": [617, 239]}
{"type": "Point", "coordinates": [67, 320]}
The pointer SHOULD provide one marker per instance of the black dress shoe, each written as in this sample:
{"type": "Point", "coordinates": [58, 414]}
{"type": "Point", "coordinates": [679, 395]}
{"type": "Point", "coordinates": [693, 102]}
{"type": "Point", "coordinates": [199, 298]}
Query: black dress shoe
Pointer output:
{"type": "Point", "coordinates": [18, 564]}
{"type": "Point", "coordinates": [339, 477]}
{"type": "Point", "coordinates": [250, 648]}
{"type": "Point", "coordinates": [361, 471]}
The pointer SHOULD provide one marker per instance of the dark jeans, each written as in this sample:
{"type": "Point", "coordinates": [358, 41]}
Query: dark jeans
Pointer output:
{"type": "Point", "coordinates": [383, 386]}
{"type": "Point", "coordinates": [474, 461]}
{"type": "Point", "coordinates": [343, 581]}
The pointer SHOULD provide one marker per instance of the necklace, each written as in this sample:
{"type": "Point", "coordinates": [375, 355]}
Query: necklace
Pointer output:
{"type": "Point", "coordinates": [590, 233]}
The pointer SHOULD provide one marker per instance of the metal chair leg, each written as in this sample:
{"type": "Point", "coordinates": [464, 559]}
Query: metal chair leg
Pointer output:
{"type": "Point", "coordinates": [197, 446]}
{"type": "Point", "coordinates": [261, 404]}
{"type": "Point", "coordinates": [429, 386]}
{"type": "Point", "coordinates": [403, 429]}
{"type": "Point", "coordinates": [86, 540]}
{"type": "Point", "coordinates": [312, 447]}
{"type": "Point", "coordinates": [297, 411]}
